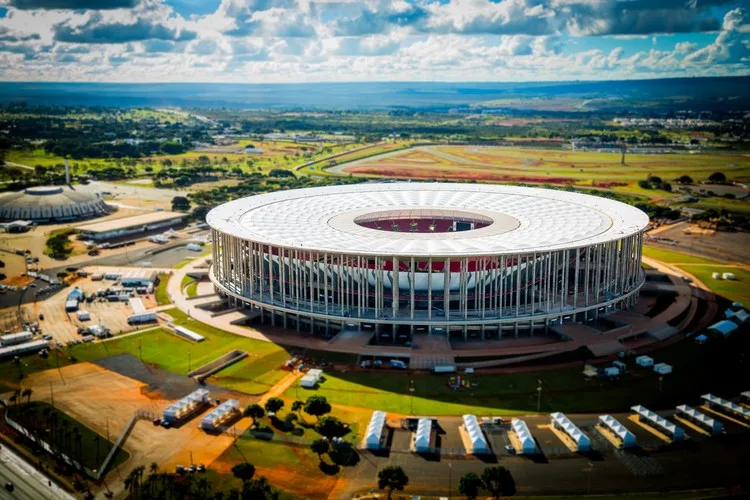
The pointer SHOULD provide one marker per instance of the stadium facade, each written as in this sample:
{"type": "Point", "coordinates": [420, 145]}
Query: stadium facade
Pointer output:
{"type": "Point", "coordinates": [428, 257]}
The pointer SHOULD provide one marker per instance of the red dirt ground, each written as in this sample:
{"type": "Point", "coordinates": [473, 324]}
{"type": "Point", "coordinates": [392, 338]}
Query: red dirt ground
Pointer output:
{"type": "Point", "coordinates": [453, 174]}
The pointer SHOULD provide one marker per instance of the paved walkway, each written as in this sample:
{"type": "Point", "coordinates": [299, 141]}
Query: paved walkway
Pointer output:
{"type": "Point", "coordinates": [288, 337]}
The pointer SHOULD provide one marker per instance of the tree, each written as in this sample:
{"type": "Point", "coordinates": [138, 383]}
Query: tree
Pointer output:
{"type": "Point", "coordinates": [254, 411]}
{"type": "Point", "coordinates": [469, 485]}
{"type": "Point", "coordinates": [499, 482]}
{"type": "Point", "coordinates": [392, 478]}
{"type": "Point", "coordinates": [320, 446]}
{"type": "Point", "coordinates": [317, 406]}
{"type": "Point", "coordinates": [717, 177]}
{"type": "Point", "coordinates": [180, 203]}
{"type": "Point", "coordinates": [244, 471]}
{"type": "Point", "coordinates": [665, 186]}
{"type": "Point", "coordinates": [273, 405]}
{"type": "Point", "coordinates": [27, 394]}
{"type": "Point", "coordinates": [297, 406]}
{"type": "Point", "coordinates": [685, 179]}
{"type": "Point", "coordinates": [153, 467]}
{"type": "Point", "coordinates": [330, 427]}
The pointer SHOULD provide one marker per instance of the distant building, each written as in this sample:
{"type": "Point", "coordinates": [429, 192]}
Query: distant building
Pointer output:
{"type": "Point", "coordinates": [106, 230]}
{"type": "Point", "coordinates": [49, 204]}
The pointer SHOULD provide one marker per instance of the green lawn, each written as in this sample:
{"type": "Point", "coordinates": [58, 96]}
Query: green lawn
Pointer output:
{"type": "Point", "coordinates": [192, 289]}
{"type": "Point", "coordinates": [671, 256]}
{"type": "Point", "coordinates": [253, 375]}
{"type": "Point", "coordinates": [185, 281]}
{"type": "Point", "coordinates": [563, 390]}
{"type": "Point", "coordinates": [735, 290]}
{"type": "Point", "coordinates": [90, 450]}
{"type": "Point", "coordinates": [161, 290]}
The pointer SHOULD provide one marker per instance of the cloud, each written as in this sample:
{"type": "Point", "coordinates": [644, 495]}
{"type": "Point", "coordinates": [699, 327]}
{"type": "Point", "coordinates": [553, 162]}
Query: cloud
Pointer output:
{"type": "Point", "coordinates": [730, 45]}
{"type": "Point", "coordinates": [9, 35]}
{"type": "Point", "coordinates": [151, 21]}
{"type": "Point", "coordinates": [72, 4]}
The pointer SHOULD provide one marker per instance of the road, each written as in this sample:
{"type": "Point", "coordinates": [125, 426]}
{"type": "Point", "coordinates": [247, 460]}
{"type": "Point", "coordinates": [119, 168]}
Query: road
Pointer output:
{"type": "Point", "coordinates": [29, 483]}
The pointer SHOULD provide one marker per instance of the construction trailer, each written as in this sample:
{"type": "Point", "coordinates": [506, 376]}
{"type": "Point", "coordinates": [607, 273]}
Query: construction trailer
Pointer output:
{"type": "Point", "coordinates": [715, 402]}
{"type": "Point", "coordinates": [659, 423]}
{"type": "Point", "coordinates": [374, 433]}
{"type": "Point", "coordinates": [525, 439]}
{"type": "Point", "coordinates": [311, 378]}
{"type": "Point", "coordinates": [644, 361]}
{"type": "Point", "coordinates": [623, 435]}
{"type": "Point", "coordinates": [71, 305]}
{"type": "Point", "coordinates": [223, 413]}
{"type": "Point", "coordinates": [476, 436]}
{"type": "Point", "coordinates": [186, 407]}
{"type": "Point", "coordinates": [560, 421]}
{"type": "Point", "coordinates": [19, 349]}
{"type": "Point", "coordinates": [701, 420]}
{"type": "Point", "coordinates": [15, 338]}
{"type": "Point", "coordinates": [662, 368]}
{"type": "Point", "coordinates": [423, 436]}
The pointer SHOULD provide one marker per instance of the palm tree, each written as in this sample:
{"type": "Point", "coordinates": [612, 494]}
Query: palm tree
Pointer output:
{"type": "Point", "coordinates": [153, 468]}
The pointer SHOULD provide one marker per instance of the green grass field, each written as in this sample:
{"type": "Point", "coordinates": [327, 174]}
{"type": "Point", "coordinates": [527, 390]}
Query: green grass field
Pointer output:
{"type": "Point", "coordinates": [161, 290]}
{"type": "Point", "coordinates": [735, 290]}
{"type": "Point", "coordinates": [192, 289]}
{"type": "Point", "coordinates": [90, 449]}
{"type": "Point", "coordinates": [672, 257]}
{"type": "Point", "coordinates": [253, 375]}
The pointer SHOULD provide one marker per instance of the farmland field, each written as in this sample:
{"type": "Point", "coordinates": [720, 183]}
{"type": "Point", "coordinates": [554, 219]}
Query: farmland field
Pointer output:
{"type": "Point", "coordinates": [544, 166]}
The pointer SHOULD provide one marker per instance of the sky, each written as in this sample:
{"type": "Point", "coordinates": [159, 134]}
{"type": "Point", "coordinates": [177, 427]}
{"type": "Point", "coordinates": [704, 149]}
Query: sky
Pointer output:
{"type": "Point", "coordinates": [267, 41]}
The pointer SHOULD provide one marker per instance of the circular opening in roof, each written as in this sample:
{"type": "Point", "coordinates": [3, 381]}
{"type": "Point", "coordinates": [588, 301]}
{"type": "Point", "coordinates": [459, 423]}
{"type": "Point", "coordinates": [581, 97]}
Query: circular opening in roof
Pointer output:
{"type": "Point", "coordinates": [44, 190]}
{"type": "Point", "coordinates": [423, 220]}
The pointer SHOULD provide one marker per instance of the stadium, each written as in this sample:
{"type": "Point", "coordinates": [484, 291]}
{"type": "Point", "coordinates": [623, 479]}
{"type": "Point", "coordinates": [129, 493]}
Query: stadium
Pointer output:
{"type": "Point", "coordinates": [428, 257]}
{"type": "Point", "coordinates": [45, 204]}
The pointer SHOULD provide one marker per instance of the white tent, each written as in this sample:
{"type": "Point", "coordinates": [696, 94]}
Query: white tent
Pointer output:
{"type": "Point", "coordinates": [478, 443]}
{"type": "Point", "coordinates": [627, 438]}
{"type": "Point", "coordinates": [528, 446]}
{"type": "Point", "coordinates": [644, 361]}
{"type": "Point", "coordinates": [699, 418]}
{"type": "Point", "coordinates": [659, 422]}
{"type": "Point", "coordinates": [560, 421]}
{"type": "Point", "coordinates": [375, 430]}
{"type": "Point", "coordinates": [423, 436]}
{"type": "Point", "coordinates": [741, 316]}
{"type": "Point", "coordinates": [712, 401]}
{"type": "Point", "coordinates": [308, 381]}
{"type": "Point", "coordinates": [724, 327]}
{"type": "Point", "coordinates": [663, 368]}
{"type": "Point", "coordinates": [316, 373]}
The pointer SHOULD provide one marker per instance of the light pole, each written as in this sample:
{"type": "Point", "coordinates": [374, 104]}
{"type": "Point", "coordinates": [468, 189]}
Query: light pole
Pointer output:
{"type": "Point", "coordinates": [539, 396]}
{"type": "Point", "coordinates": [450, 469]}
{"type": "Point", "coordinates": [411, 398]}
{"type": "Point", "coordinates": [661, 378]}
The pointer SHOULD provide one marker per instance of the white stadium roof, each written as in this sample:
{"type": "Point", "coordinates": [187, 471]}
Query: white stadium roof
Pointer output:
{"type": "Point", "coordinates": [525, 219]}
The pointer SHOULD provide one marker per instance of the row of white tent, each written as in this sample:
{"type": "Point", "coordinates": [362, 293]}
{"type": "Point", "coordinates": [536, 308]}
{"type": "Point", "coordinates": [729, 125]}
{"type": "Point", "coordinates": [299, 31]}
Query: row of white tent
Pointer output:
{"type": "Point", "coordinates": [476, 437]}
{"type": "Point", "coordinates": [560, 421]}
{"type": "Point", "coordinates": [423, 436]}
{"type": "Point", "coordinates": [525, 439]}
{"type": "Point", "coordinates": [221, 414]}
{"type": "Point", "coordinates": [374, 433]}
{"type": "Point", "coordinates": [186, 405]}
{"type": "Point", "coordinates": [714, 401]}
{"type": "Point", "coordinates": [627, 438]}
{"type": "Point", "coordinates": [659, 423]}
{"type": "Point", "coordinates": [701, 419]}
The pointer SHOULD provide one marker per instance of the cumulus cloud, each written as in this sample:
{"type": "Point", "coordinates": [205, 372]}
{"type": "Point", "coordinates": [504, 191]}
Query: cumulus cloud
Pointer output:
{"type": "Point", "coordinates": [72, 4]}
{"type": "Point", "coordinates": [293, 40]}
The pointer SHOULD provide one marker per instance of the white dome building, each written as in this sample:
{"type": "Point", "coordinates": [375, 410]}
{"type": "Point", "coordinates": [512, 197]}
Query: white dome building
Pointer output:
{"type": "Point", "coordinates": [50, 204]}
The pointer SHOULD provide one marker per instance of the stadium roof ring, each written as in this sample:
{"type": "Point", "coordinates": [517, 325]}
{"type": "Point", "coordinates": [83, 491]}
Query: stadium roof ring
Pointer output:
{"type": "Point", "coordinates": [447, 255]}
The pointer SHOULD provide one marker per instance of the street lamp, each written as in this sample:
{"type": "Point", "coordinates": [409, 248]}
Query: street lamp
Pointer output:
{"type": "Point", "coordinates": [450, 469]}
{"type": "Point", "coordinates": [661, 378]}
{"type": "Point", "coordinates": [411, 398]}
{"type": "Point", "coordinates": [539, 396]}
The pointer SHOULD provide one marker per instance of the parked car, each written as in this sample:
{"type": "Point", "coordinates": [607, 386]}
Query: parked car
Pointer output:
{"type": "Point", "coordinates": [510, 450]}
{"type": "Point", "coordinates": [201, 468]}
{"type": "Point", "coordinates": [157, 421]}
{"type": "Point", "coordinates": [10, 487]}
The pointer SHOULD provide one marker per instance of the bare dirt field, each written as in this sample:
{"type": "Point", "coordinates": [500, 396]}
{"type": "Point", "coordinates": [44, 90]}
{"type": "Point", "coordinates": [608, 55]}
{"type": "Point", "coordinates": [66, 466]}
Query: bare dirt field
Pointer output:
{"type": "Point", "coordinates": [105, 400]}
{"type": "Point", "coordinates": [720, 245]}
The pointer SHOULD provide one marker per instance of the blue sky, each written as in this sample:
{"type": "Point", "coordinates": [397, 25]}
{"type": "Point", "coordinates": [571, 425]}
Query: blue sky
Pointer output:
{"type": "Point", "coordinates": [373, 40]}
